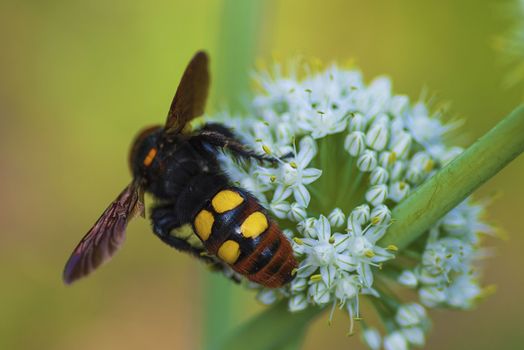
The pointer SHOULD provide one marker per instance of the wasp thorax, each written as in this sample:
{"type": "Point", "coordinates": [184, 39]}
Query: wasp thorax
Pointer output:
{"type": "Point", "coordinates": [144, 149]}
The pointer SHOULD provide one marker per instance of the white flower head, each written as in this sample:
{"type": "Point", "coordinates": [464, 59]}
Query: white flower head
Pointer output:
{"type": "Point", "coordinates": [345, 155]}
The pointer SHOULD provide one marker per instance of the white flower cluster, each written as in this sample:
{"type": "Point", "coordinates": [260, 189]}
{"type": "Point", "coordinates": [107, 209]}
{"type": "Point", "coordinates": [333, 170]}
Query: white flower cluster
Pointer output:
{"type": "Point", "coordinates": [408, 327]}
{"type": "Point", "coordinates": [446, 275]}
{"type": "Point", "coordinates": [347, 154]}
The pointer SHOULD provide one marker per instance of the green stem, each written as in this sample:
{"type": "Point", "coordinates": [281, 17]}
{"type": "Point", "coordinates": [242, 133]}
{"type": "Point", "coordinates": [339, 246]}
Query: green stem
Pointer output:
{"type": "Point", "coordinates": [241, 21]}
{"type": "Point", "coordinates": [455, 182]}
{"type": "Point", "coordinates": [236, 49]}
{"type": "Point", "coordinates": [274, 328]}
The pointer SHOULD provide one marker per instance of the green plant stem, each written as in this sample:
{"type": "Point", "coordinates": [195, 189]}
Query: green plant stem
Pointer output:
{"type": "Point", "coordinates": [274, 328]}
{"type": "Point", "coordinates": [455, 182]}
{"type": "Point", "coordinates": [236, 50]}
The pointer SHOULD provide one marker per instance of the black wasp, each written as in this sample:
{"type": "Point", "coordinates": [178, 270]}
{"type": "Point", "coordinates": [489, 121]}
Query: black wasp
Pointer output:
{"type": "Point", "coordinates": [193, 195]}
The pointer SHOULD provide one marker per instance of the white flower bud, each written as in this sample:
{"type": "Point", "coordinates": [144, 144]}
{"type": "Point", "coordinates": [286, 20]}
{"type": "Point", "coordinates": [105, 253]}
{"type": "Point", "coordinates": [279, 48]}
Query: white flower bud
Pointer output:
{"type": "Point", "coordinates": [387, 159]}
{"type": "Point", "coordinates": [288, 233]}
{"type": "Point", "coordinates": [408, 279]}
{"type": "Point", "coordinates": [319, 292]}
{"type": "Point", "coordinates": [337, 217]}
{"type": "Point", "coordinates": [382, 119]}
{"type": "Point", "coordinates": [297, 303]}
{"type": "Point", "coordinates": [280, 210]}
{"type": "Point", "coordinates": [267, 296]}
{"type": "Point", "coordinates": [357, 122]}
{"type": "Point", "coordinates": [378, 176]}
{"type": "Point", "coordinates": [464, 292]}
{"type": "Point", "coordinates": [367, 161]}
{"type": "Point", "coordinates": [398, 105]}
{"type": "Point", "coordinates": [431, 296]}
{"type": "Point", "coordinates": [371, 337]}
{"type": "Point", "coordinates": [415, 175]}
{"type": "Point", "coordinates": [402, 145]}
{"type": "Point", "coordinates": [396, 128]}
{"type": "Point", "coordinates": [381, 215]}
{"type": "Point", "coordinates": [414, 335]}
{"type": "Point", "coordinates": [410, 314]}
{"type": "Point", "coordinates": [398, 191]}
{"type": "Point", "coordinates": [397, 171]}
{"type": "Point", "coordinates": [359, 215]}
{"type": "Point", "coordinates": [355, 143]}
{"type": "Point", "coordinates": [395, 341]}
{"type": "Point", "coordinates": [419, 161]}
{"type": "Point", "coordinates": [425, 276]}
{"type": "Point", "coordinates": [377, 194]}
{"type": "Point", "coordinates": [377, 136]}
{"type": "Point", "coordinates": [297, 212]}
{"type": "Point", "coordinates": [455, 223]}
{"type": "Point", "coordinates": [298, 285]}
{"type": "Point", "coordinates": [307, 227]}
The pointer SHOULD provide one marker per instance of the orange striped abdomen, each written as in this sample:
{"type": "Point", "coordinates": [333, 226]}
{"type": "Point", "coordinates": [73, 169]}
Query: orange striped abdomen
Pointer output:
{"type": "Point", "coordinates": [237, 229]}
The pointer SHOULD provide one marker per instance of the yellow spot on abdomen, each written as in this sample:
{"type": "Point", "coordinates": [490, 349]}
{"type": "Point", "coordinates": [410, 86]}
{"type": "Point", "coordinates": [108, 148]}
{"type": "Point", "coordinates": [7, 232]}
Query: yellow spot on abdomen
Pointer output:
{"type": "Point", "coordinates": [203, 224]}
{"type": "Point", "coordinates": [254, 225]}
{"type": "Point", "coordinates": [150, 157]}
{"type": "Point", "coordinates": [226, 200]}
{"type": "Point", "coordinates": [229, 251]}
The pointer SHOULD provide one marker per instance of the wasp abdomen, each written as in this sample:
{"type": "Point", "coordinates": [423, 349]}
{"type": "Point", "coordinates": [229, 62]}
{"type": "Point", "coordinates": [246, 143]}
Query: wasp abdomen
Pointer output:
{"type": "Point", "coordinates": [237, 229]}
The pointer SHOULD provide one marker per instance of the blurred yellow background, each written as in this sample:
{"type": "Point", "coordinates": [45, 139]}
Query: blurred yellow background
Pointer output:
{"type": "Point", "coordinates": [78, 79]}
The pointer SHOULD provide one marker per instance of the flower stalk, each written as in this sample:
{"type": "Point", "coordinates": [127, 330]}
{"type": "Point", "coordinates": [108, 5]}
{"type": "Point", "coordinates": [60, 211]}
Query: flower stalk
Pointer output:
{"type": "Point", "coordinates": [237, 46]}
{"type": "Point", "coordinates": [274, 328]}
{"type": "Point", "coordinates": [455, 182]}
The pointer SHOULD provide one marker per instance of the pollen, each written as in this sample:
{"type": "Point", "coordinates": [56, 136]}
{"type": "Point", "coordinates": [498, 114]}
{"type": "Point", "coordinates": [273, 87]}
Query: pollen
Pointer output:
{"type": "Point", "coordinates": [315, 278]}
{"type": "Point", "coordinates": [226, 200]}
{"type": "Point", "coordinates": [298, 241]}
{"type": "Point", "coordinates": [375, 220]}
{"type": "Point", "coordinates": [254, 225]}
{"type": "Point", "coordinates": [430, 164]}
{"type": "Point", "coordinates": [392, 248]}
{"type": "Point", "coordinates": [150, 157]}
{"type": "Point", "coordinates": [229, 251]}
{"type": "Point", "coordinates": [369, 253]}
{"type": "Point", "coordinates": [392, 158]}
{"type": "Point", "coordinates": [203, 224]}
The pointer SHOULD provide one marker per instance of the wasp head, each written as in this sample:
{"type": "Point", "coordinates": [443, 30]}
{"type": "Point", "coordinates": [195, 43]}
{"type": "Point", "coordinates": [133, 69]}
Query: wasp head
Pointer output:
{"type": "Point", "coordinates": [144, 151]}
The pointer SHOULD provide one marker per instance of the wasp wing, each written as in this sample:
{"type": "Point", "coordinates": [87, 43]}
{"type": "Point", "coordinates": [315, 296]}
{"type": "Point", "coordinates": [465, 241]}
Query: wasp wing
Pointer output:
{"type": "Point", "coordinates": [106, 235]}
{"type": "Point", "coordinates": [191, 94]}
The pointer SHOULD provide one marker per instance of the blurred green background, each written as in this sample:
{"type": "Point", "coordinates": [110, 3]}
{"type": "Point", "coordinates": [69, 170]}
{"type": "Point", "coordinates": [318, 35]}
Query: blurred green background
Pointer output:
{"type": "Point", "coordinates": [78, 79]}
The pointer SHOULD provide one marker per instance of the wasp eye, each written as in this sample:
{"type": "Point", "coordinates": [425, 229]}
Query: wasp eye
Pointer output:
{"type": "Point", "coordinates": [144, 148]}
{"type": "Point", "coordinates": [150, 157]}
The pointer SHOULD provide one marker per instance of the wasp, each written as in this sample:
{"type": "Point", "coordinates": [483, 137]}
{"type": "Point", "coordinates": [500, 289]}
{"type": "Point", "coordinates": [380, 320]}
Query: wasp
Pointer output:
{"type": "Point", "coordinates": [197, 208]}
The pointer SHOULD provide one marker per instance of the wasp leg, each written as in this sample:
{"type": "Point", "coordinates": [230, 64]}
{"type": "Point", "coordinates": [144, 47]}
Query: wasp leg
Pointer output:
{"type": "Point", "coordinates": [219, 136]}
{"type": "Point", "coordinates": [165, 220]}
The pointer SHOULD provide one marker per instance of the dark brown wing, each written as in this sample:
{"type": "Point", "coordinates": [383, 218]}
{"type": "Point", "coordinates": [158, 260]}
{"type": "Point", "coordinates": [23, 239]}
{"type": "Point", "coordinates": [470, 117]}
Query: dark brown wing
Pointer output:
{"type": "Point", "coordinates": [191, 95]}
{"type": "Point", "coordinates": [106, 236]}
